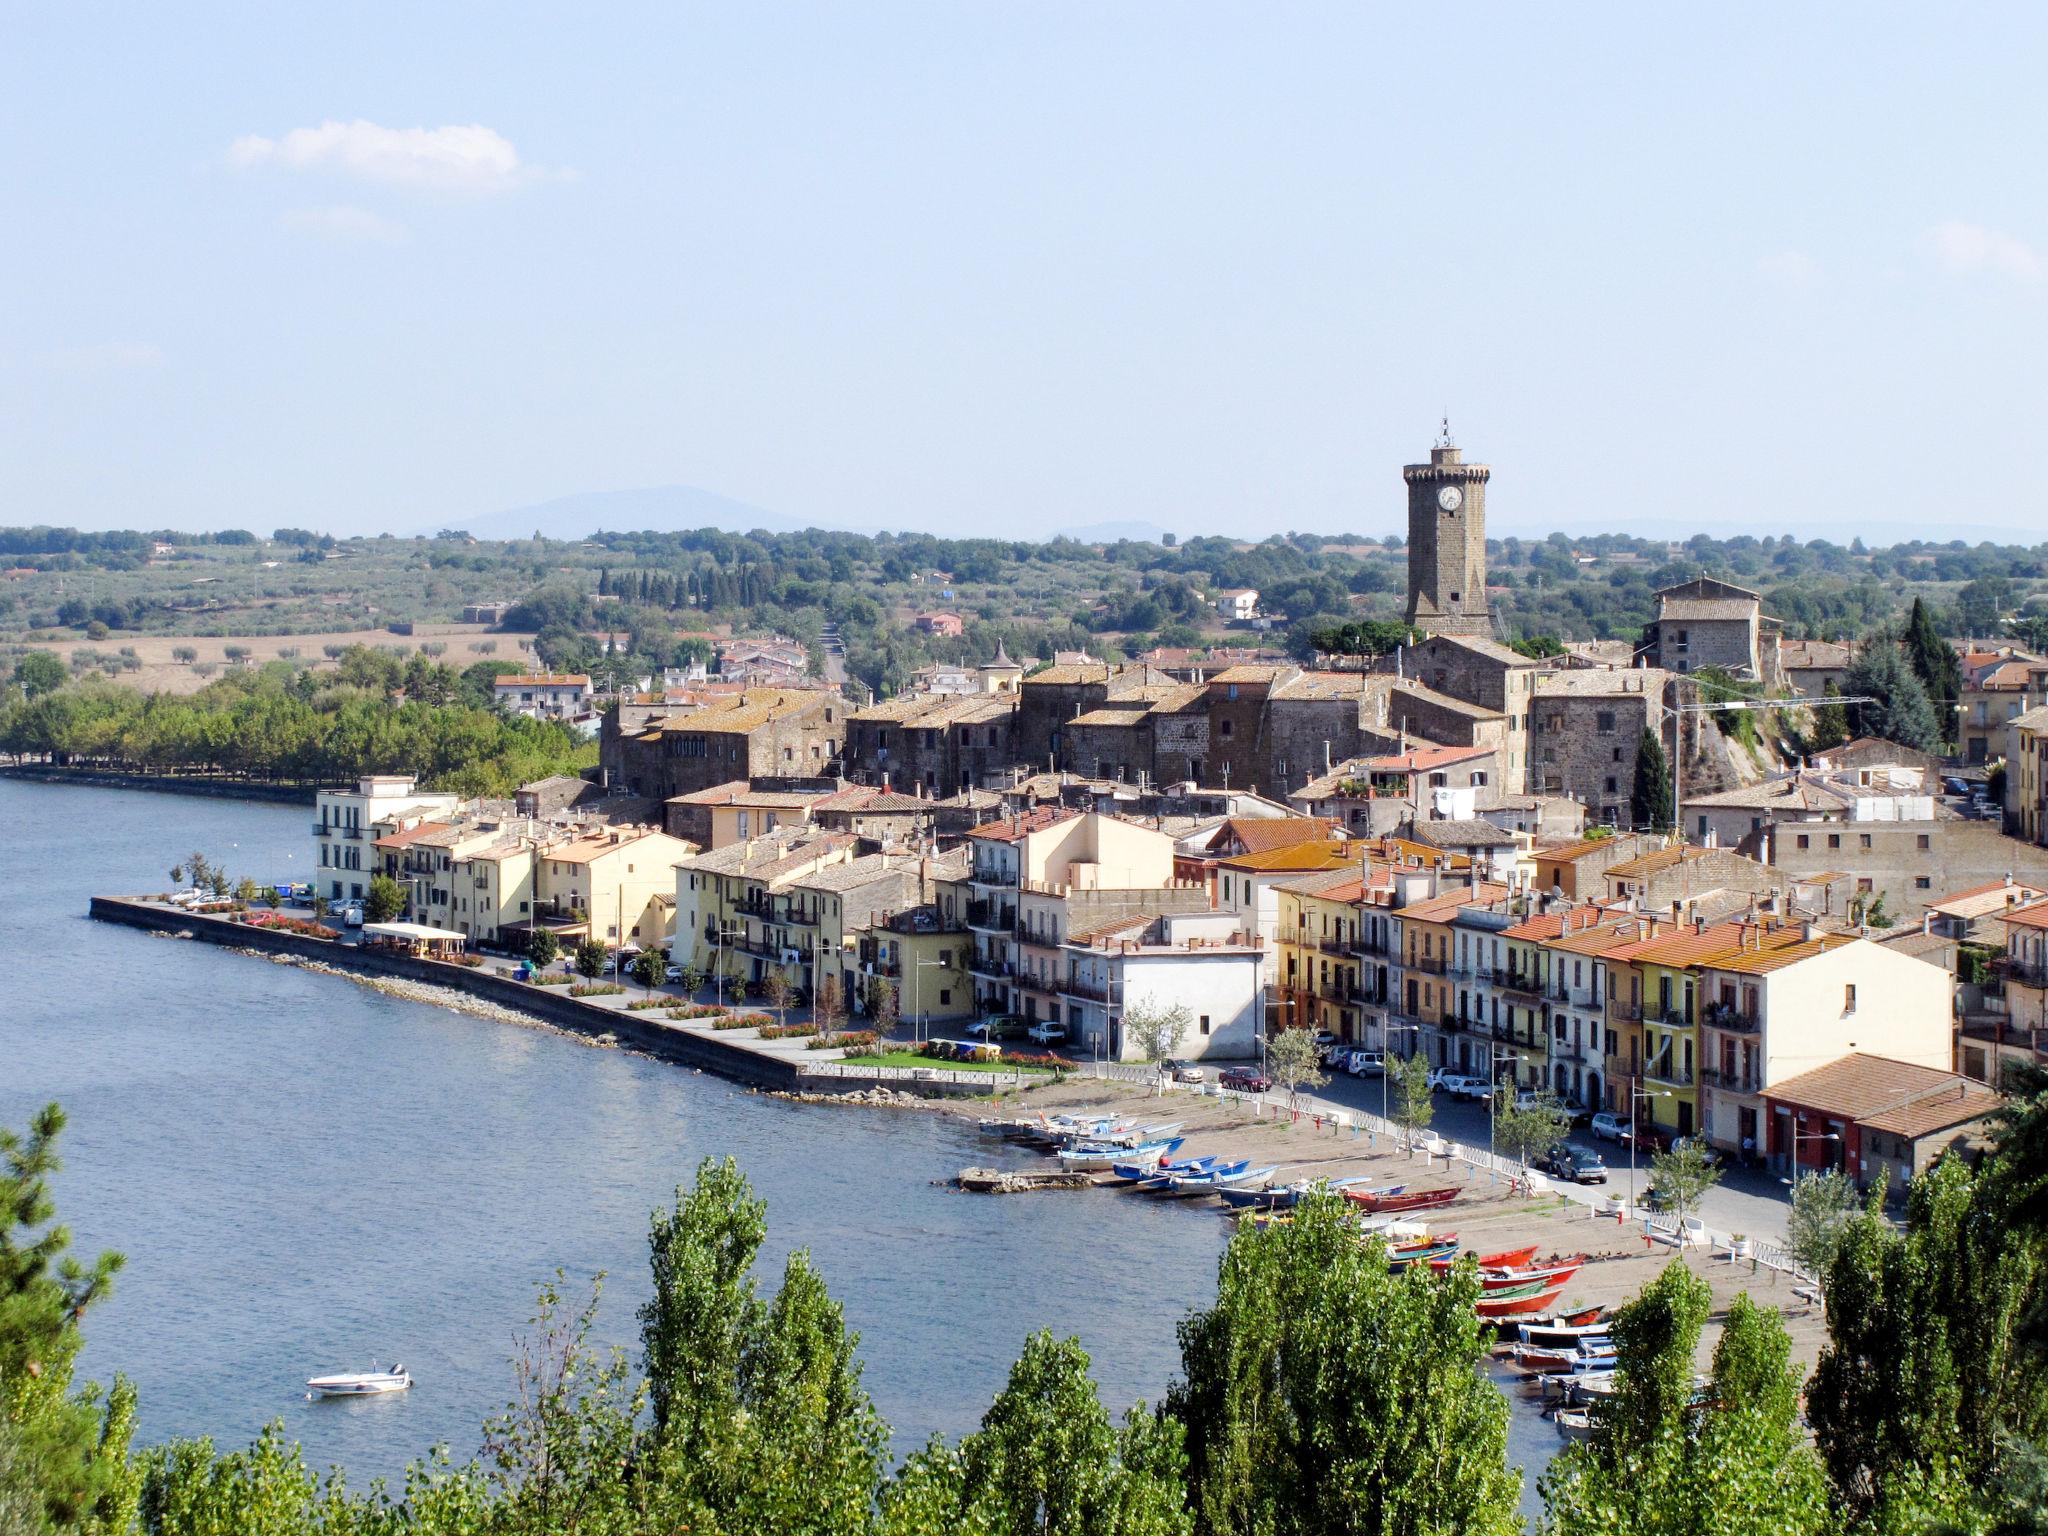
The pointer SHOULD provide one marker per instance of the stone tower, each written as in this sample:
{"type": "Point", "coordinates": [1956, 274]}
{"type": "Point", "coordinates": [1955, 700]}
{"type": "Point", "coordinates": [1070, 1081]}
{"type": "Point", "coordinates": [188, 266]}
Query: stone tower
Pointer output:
{"type": "Point", "coordinates": [1447, 544]}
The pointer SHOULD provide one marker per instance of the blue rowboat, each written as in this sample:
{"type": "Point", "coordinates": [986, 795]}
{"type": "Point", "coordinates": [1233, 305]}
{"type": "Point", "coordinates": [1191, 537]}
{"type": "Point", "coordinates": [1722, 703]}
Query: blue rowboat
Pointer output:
{"type": "Point", "coordinates": [1096, 1154]}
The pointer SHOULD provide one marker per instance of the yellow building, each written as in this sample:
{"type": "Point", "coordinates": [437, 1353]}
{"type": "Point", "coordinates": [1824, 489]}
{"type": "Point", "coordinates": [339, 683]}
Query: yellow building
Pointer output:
{"type": "Point", "coordinates": [621, 881]}
{"type": "Point", "coordinates": [1317, 942]}
{"type": "Point", "coordinates": [735, 918]}
{"type": "Point", "coordinates": [1655, 1013]}
{"type": "Point", "coordinates": [1453, 1038]}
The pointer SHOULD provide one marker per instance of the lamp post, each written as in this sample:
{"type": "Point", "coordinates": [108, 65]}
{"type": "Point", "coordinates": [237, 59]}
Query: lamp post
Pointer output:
{"type": "Point", "coordinates": [918, 967]}
{"type": "Point", "coordinates": [1646, 1095]}
{"type": "Point", "coordinates": [722, 934]}
{"type": "Point", "coordinates": [1797, 1137]}
{"type": "Point", "coordinates": [1387, 1056]}
{"type": "Point", "coordinates": [1494, 1057]}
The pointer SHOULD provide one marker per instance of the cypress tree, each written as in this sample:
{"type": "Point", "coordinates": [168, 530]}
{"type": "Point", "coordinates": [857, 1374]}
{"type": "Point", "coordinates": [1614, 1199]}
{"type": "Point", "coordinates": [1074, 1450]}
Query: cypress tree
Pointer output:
{"type": "Point", "coordinates": [1649, 802]}
{"type": "Point", "coordinates": [1830, 721]}
{"type": "Point", "coordinates": [1934, 663]}
{"type": "Point", "coordinates": [1900, 711]}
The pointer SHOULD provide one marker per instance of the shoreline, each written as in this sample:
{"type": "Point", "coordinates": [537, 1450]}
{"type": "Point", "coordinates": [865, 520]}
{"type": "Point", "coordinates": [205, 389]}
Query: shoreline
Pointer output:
{"type": "Point", "coordinates": [163, 783]}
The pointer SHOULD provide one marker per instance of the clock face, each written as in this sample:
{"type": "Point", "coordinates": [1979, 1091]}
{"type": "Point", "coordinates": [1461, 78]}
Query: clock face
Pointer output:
{"type": "Point", "coordinates": [1450, 498]}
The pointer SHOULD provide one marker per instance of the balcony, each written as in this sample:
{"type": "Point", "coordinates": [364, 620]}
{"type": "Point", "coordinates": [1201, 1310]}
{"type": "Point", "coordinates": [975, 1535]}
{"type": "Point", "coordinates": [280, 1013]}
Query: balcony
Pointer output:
{"type": "Point", "coordinates": [989, 917]}
{"type": "Point", "coordinates": [1631, 1013]}
{"type": "Point", "coordinates": [1670, 1018]}
{"type": "Point", "coordinates": [1095, 992]}
{"type": "Point", "coordinates": [1663, 1071]}
{"type": "Point", "coordinates": [2020, 973]}
{"type": "Point", "coordinates": [1430, 965]}
{"type": "Point", "coordinates": [1734, 1020]}
{"type": "Point", "coordinates": [1584, 1055]}
{"type": "Point", "coordinates": [1737, 1081]}
{"type": "Point", "coordinates": [1338, 944]}
{"type": "Point", "coordinates": [994, 970]}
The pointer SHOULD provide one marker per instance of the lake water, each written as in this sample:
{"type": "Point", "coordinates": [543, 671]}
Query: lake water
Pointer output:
{"type": "Point", "coordinates": [304, 1174]}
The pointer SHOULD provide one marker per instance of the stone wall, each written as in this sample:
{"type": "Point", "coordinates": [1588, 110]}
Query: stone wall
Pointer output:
{"type": "Point", "coordinates": [1911, 862]}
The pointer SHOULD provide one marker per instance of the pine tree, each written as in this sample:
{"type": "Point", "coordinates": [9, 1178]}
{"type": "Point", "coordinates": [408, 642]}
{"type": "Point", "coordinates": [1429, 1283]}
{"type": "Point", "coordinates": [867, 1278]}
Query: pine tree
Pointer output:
{"type": "Point", "coordinates": [1934, 662]}
{"type": "Point", "coordinates": [1649, 802]}
{"type": "Point", "coordinates": [1900, 711]}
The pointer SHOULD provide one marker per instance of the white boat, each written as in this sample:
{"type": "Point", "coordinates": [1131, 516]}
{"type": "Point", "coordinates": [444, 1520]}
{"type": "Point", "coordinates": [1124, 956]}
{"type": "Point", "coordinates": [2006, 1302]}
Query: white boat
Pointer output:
{"type": "Point", "coordinates": [368, 1383]}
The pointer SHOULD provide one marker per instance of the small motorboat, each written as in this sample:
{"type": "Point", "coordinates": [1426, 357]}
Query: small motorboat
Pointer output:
{"type": "Point", "coordinates": [1408, 1200]}
{"type": "Point", "coordinates": [1198, 1181]}
{"type": "Point", "coordinates": [370, 1383]}
{"type": "Point", "coordinates": [1168, 1170]}
{"type": "Point", "coordinates": [1430, 1252]}
{"type": "Point", "coordinates": [1514, 1300]}
{"type": "Point", "coordinates": [1554, 1333]}
{"type": "Point", "coordinates": [1571, 1359]}
{"type": "Point", "coordinates": [1512, 1258]}
{"type": "Point", "coordinates": [1494, 1281]}
{"type": "Point", "coordinates": [1573, 1423]}
{"type": "Point", "coordinates": [1103, 1154]}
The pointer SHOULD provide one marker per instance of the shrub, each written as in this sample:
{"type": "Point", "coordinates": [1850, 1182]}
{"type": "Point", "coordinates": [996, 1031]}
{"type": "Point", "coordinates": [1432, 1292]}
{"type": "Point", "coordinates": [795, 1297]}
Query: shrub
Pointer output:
{"type": "Point", "coordinates": [788, 1031]}
{"type": "Point", "coordinates": [641, 1004]}
{"type": "Point", "coordinates": [549, 979]}
{"type": "Point", "coordinates": [689, 1010]}
{"type": "Point", "coordinates": [596, 989]}
{"type": "Point", "coordinates": [470, 961]}
{"type": "Point", "coordinates": [859, 1042]}
{"type": "Point", "coordinates": [745, 1021]}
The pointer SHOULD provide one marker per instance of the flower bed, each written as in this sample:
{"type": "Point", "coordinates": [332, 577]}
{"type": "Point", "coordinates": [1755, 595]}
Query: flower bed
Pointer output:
{"type": "Point", "coordinates": [744, 1021]}
{"type": "Point", "coordinates": [596, 989]}
{"type": "Point", "coordinates": [641, 1004]}
{"type": "Point", "coordinates": [789, 1031]}
{"type": "Point", "coordinates": [470, 961]}
{"type": "Point", "coordinates": [548, 979]}
{"type": "Point", "coordinates": [695, 1011]}
{"type": "Point", "coordinates": [859, 1042]}
{"type": "Point", "coordinates": [287, 924]}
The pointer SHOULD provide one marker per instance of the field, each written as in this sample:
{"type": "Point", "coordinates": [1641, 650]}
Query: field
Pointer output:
{"type": "Point", "coordinates": [162, 672]}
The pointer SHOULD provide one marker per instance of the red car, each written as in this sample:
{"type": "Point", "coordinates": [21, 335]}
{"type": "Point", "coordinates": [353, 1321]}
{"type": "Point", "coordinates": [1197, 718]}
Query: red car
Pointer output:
{"type": "Point", "coordinates": [1244, 1079]}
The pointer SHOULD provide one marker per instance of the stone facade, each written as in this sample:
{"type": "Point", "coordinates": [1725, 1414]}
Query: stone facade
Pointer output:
{"type": "Point", "coordinates": [1910, 863]}
{"type": "Point", "coordinates": [1708, 623]}
{"type": "Point", "coordinates": [762, 733]}
{"type": "Point", "coordinates": [1447, 544]}
{"type": "Point", "coordinates": [1584, 730]}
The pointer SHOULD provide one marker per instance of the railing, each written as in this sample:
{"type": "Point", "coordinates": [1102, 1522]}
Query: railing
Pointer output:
{"type": "Point", "coordinates": [1432, 965]}
{"type": "Point", "coordinates": [1518, 981]}
{"type": "Point", "coordinates": [1737, 1081]}
{"type": "Point", "coordinates": [1671, 1018]}
{"type": "Point", "coordinates": [933, 1074]}
{"type": "Point", "coordinates": [321, 829]}
{"type": "Point", "coordinates": [1002, 970]}
{"type": "Point", "coordinates": [1735, 1020]}
{"type": "Point", "coordinates": [1663, 1072]}
{"type": "Point", "coordinates": [1331, 992]}
{"type": "Point", "coordinates": [2027, 975]}
{"type": "Point", "coordinates": [1085, 989]}
{"type": "Point", "coordinates": [1338, 946]}
{"type": "Point", "coordinates": [1631, 1012]}
{"type": "Point", "coordinates": [983, 914]}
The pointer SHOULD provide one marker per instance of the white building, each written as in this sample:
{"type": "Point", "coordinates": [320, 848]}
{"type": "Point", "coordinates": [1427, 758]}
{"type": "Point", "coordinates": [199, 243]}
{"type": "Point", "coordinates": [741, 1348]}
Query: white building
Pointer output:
{"type": "Point", "coordinates": [544, 695]}
{"type": "Point", "coordinates": [1238, 602]}
{"type": "Point", "coordinates": [1200, 961]}
{"type": "Point", "coordinates": [344, 844]}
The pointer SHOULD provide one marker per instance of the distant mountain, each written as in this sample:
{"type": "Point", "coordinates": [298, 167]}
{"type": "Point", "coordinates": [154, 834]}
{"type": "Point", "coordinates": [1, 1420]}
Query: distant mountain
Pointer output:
{"type": "Point", "coordinates": [1109, 533]}
{"type": "Point", "coordinates": [654, 508]}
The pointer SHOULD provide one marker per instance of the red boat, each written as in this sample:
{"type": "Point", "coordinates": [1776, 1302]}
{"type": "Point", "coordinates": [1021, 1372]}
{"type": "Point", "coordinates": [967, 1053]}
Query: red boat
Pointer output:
{"type": "Point", "coordinates": [1512, 1258]}
{"type": "Point", "coordinates": [1413, 1200]}
{"type": "Point", "coordinates": [1517, 1306]}
{"type": "Point", "coordinates": [1507, 1279]}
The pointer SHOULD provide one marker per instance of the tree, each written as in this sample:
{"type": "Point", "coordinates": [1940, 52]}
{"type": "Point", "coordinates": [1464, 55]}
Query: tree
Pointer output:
{"type": "Point", "coordinates": [1657, 1462]}
{"type": "Point", "coordinates": [591, 958]}
{"type": "Point", "coordinates": [1047, 1459]}
{"type": "Point", "coordinates": [776, 988]}
{"type": "Point", "coordinates": [1830, 720]}
{"type": "Point", "coordinates": [1322, 1393]}
{"type": "Point", "coordinates": [828, 1008]}
{"type": "Point", "coordinates": [650, 968]}
{"type": "Point", "coordinates": [40, 672]}
{"type": "Point", "coordinates": [1294, 1062]}
{"type": "Point", "coordinates": [1900, 711]}
{"type": "Point", "coordinates": [1935, 663]}
{"type": "Point", "coordinates": [2030, 630]}
{"type": "Point", "coordinates": [1681, 1176]}
{"type": "Point", "coordinates": [1156, 1028]}
{"type": "Point", "coordinates": [1413, 1106]}
{"type": "Point", "coordinates": [1929, 1361]}
{"type": "Point", "coordinates": [386, 899]}
{"type": "Point", "coordinates": [1649, 803]}
{"type": "Point", "coordinates": [245, 890]}
{"type": "Point", "coordinates": [882, 1004]}
{"type": "Point", "coordinates": [1981, 604]}
{"type": "Point", "coordinates": [1526, 1124]}
{"type": "Point", "coordinates": [543, 948]}
{"type": "Point", "coordinates": [68, 1451]}
{"type": "Point", "coordinates": [1823, 1205]}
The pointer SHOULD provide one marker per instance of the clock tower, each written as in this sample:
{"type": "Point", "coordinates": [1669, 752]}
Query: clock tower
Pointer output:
{"type": "Point", "coordinates": [1447, 543]}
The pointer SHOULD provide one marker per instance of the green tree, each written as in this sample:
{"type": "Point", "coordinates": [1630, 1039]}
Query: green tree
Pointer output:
{"type": "Point", "coordinates": [40, 672]}
{"type": "Point", "coordinates": [1322, 1393]}
{"type": "Point", "coordinates": [384, 901]}
{"type": "Point", "coordinates": [1662, 1465]}
{"type": "Point", "coordinates": [1681, 1176]}
{"type": "Point", "coordinates": [1157, 1028]}
{"type": "Point", "coordinates": [650, 968]}
{"type": "Point", "coordinates": [1413, 1107]}
{"type": "Point", "coordinates": [543, 949]}
{"type": "Point", "coordinates": [592, 958]}
{"type": "Point", "coordinates": [1294, 1062]}
{"type": "Point", "coordinates": [67, 1452]}
{"type": "Point", "coordinates": [1649, 802]}
{"type": "Point", "coordinates": [1047, 1460]}
{"type": "Point", "coordinates": [1929, 1361]}
{"type": "Point", "coordinates": [1830, 720]}
{"type": "Point", "coordinates": [1935, 663]}
{"type": "Point", "coordinates": [1823, 1205]}
{"type": "Point", "coordinates": [1900, 710]}
{"type": "Point", "coordinates": [1526, 1124]}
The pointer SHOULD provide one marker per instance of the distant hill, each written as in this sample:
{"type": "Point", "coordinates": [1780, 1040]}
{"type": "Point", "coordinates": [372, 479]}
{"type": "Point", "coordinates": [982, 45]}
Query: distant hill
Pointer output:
{"type": "Point", "coordinates": [654, 508]}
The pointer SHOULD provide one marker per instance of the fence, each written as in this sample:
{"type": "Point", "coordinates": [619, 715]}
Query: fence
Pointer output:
{"type": "Point", "coordinates": [987, 1082]}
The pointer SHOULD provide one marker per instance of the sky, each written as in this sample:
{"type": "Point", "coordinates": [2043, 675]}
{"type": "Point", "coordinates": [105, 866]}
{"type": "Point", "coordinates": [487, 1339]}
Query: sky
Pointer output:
{"type": "Point", "coordinates": [1009, 268]}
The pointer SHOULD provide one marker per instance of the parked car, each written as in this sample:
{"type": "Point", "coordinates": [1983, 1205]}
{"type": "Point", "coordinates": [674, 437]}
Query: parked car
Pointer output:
{"type": "Point", "coordinates": [1244, 1079]}
{"type": "Point", "coordinates": [1364, 1063]}
{"type": "Point", "coordinates": [1712, 1155]}
{"type": "Point", "coordinates": [1610, 1127]}
{"type": "Point", "coordinates": [1051, 1032]}
{"type": "Point", "coordinates": [672, 974]}
{"type": "Point", "coordinates": [1645, 1138]}
{"type": "Point", "coordinates": [1565, 1161]}
{"type": "Point", "coordinates": [1459, 1086]}
{"type": "Point", "coordinates": [1180, 1071]}
{"type": "Point", "coordinates": [1001, 1026]}
{"type": "Point", "coordinates": [1336, 1053]}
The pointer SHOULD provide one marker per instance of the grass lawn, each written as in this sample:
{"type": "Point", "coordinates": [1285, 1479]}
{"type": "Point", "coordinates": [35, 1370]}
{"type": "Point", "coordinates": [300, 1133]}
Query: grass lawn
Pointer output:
{"type": "Point", "coordinates": [912, 1059]}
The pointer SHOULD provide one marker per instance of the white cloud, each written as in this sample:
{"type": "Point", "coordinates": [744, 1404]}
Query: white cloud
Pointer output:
{"type": "Point", "coordinates": [107, 357]}
{"type": "Point", "coordinates": [339, 221]}
{"type": "Point", "coordinates": [1795, 269]}
{"type": "Point", "coordinates": [1962, 247]}
{"type": "Point", "coordinates": [463, 158]}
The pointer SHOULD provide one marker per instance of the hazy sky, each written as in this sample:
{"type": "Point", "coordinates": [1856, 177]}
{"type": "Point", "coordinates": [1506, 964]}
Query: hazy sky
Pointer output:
{"type": "Point", "coordinates": [1008, 267]}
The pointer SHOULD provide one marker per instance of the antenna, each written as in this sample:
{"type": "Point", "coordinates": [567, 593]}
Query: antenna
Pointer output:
{"type": "Point", "coordinates": [1444, 436]}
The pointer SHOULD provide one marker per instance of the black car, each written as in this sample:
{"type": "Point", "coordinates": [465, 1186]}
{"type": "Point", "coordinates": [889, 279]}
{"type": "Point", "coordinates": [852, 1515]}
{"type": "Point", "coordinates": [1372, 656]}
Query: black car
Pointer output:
{"type": "Point", "coordinates": [1568, 1162]}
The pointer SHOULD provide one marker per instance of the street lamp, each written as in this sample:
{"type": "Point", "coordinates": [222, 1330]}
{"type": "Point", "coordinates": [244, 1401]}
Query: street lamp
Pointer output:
{"type": "Point", "coordinates": [1387, 1056]}
{"type": "Point", "coordinates": [1494, 1057]}
{"type": "Point", "coordinates": [917, 967]}
{"type": "Point", "coordinates": [718, 966]}
{"type": "Point", "coordinates": [1646, 1095]}
{"type": "Point", "coordinates": [1797, 1137]}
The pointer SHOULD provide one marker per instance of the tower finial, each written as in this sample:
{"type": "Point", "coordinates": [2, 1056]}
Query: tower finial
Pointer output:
{"type": "Point", "coordinates": [1444, 437]}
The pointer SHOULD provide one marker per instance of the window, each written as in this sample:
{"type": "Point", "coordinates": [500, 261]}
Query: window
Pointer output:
{"type": "Point", "coordinates": [1863, 886]}
{"type": "Point", "coordinates": [1613, 785]}
{"type": "Point", "coordinates": [1863, 840]}
{"type": "Point", "coordinates": [1615, 755]}
{"type": "Point", "coordinates": [1205, 1023]}
{"type": "Point", "coordinates": [1224, 729]}
{"type": "Point", "coordinates": [945, 997]}
{"type": "Point", "coordinates": [1922, 883]}
{"type": "Point", "coordinates": [1604, 722]}
{"type": "Point", "coordinates": [1849, 998]}
{"type": "Point", "coordinates": [1834, 839]}
{"type": "Point", "coordinates": [1923, 842]}
{"type": "Point", "coordinates": [1805, 841]}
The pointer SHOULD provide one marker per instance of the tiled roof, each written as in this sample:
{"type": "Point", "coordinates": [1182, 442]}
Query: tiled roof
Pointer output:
{"type": "Point", "coordinates": [1300, 856]}
{"type": "Point", "coordinates": [1987, 900]}
{"type": "Point", "coordinates": [1675, 608]}
{"type": "Point", "coordinates": [1258, 834]}
{"type": "Point", "coordinates": [2034, 916]}
{"type": "Point", "coordinates": [1435, 700]}
{"type": "Point", "coordinates": [1010, 828]}
{"type": "Point", "coordinates": [1094, 672]}
{"type": "Point", "coordinates": [1467, 833]}
{"type": "Point", "coordinates": [1779, 948]}
{"type": "Point", "coordinates": [1420, 759]}
{"type": "Point", "coordinates": [1443, 907]}
{"type": "Point", "coordinates": [1492, 650]}
{"type": "Point", "coordinates": [1602, 683]}
{"type": "Point", "coordinates": [1249, 672]}
{"type": "Point", "coordinates": [1684, 946]}
{"type": "Point", "coordinates": [1556, 925]}
{"type": "Point", "coordinates": [1896, 1097]}
{"type": "Point", "coordinates": [1571, 853]}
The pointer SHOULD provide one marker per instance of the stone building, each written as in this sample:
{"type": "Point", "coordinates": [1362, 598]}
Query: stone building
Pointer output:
{"type": "Point", "coordinates": [1447, 543]}
{"type": "Point", "coordinates": [1585, 725]}
{"type": "Point", "coordinates": [761, 733]}
{"type": "Point", "coordinates": [1708, 623]}
{"type": "Point", "coordinates": [941, 743]}
{"type": "Point", "coordinates": [1910, 863]}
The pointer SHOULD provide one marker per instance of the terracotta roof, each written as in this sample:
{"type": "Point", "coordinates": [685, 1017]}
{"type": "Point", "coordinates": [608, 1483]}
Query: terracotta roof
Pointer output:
{"type": "Point", "coordinates": [1095, 672]}
{"type": "Point", "coordinates": [620, 840]}
{"type": "Point", "coordinates": [543, 680]}
{"type": "Point", "coordinates": [2034, 916]}
{"type": "Point", "coordinates": [1468, 833]}
{"type": "Point", "coordinates": [1568, 853]}
{"type": "Point", "coordinates": [1987, 900]}
{"type": "Point", "coordinates": [1420, 759]}
{"type": "Point", "coordinates": [1010, 828]}
{"type": "Point", "coordinates": [1779, 948]}
{"type": "Point", "coordinates": [1249, 672]}
{"type": "Point", "coordinates": [1258, 834]}
{"type": "Point", "coordinates": [863, 799]}
{"type": "Point", "coordinates": [1554, 925]}
{"type": "Point", "coordinates": [1300, 856]}
{"type": "Point", "coordinates": [1706, 608]}
{"type": "Point", "coordinates": [1623, 931]}
{"type": "Point", "coordinates": [1685, 946]}
{"type": "Point", "coordinates": [1443, 907]}
{"type": "Point", "coordinates": [1896, 1097]}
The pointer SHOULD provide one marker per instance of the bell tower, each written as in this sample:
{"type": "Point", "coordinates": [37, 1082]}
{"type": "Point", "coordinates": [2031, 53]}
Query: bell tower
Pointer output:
{"type": "Point", "coordinates": [1447, 542]}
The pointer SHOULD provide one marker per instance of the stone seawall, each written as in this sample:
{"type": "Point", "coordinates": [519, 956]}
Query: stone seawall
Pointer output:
{"type": "Point", "coordinates": [657, 1037]}
{"type": "Point", "coordinates": [163, 783]}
